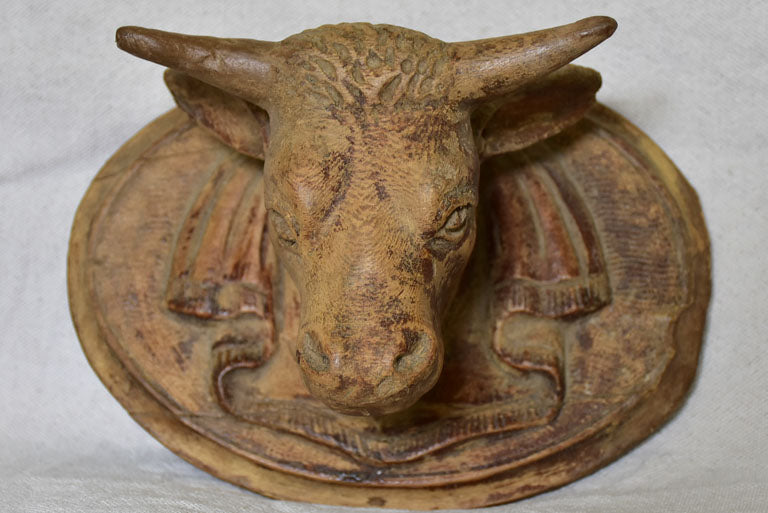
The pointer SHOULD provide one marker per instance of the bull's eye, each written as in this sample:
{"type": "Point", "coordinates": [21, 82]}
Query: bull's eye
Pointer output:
{"type": "Point", "coordinates": [285, 233]}
{"type": "Point", "coordinates": [457, 221]}
{"type": "Point", "coordinates": [454, 228]}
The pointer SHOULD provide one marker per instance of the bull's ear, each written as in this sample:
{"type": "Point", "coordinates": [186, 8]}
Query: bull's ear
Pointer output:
{"type": "Point", "coordinates": [239, 124]}
{"type": "Point", "coordinates": [539, 110]}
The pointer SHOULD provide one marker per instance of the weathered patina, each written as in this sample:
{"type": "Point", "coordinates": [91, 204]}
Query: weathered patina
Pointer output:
{"type": "Point", "coordinates": [364, 266]}
{"type": "Point", "coordinates": [371, 175]}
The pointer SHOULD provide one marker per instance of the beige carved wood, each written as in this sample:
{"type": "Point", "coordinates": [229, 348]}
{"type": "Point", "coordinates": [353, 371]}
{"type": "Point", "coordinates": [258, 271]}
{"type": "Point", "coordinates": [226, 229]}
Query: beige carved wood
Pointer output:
{"type": "Point", "coordinates": [418, 296]}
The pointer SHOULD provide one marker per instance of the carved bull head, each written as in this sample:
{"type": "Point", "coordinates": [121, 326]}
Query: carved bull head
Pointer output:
{"type": "Point", "coordinates": [372, 138]}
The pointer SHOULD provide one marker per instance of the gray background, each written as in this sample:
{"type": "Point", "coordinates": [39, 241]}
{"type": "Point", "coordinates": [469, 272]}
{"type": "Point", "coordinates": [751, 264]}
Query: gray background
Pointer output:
{"type": "Point", "coordinates": [691, 75]}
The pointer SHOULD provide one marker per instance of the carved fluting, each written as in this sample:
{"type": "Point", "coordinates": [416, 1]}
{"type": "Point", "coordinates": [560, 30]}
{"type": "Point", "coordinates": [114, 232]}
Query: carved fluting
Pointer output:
{"type": "Point", "coordinates": [219, 268]}
{"type": "Point", "coordinates": [549, 259]}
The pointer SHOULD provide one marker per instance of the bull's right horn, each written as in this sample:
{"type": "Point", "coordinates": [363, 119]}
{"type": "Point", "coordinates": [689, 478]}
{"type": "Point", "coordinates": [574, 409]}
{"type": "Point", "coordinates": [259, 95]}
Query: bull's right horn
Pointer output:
{"type": "Point", "coordinates": [240, 66]}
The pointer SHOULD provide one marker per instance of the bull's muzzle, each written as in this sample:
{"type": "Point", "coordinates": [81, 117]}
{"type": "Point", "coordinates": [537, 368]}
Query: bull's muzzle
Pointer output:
{"type": "Point", "coordinates": [370, 374]}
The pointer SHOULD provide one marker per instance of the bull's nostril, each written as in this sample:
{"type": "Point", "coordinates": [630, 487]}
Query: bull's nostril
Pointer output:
{"type": "Point", "coordinates": [313, 354]}
{"type": "Point", "coordinates": [418, 344]}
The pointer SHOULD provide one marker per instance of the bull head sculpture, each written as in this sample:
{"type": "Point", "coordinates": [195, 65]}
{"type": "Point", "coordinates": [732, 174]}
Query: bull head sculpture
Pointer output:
{"type": "Point", "coordinates": [372, 139]}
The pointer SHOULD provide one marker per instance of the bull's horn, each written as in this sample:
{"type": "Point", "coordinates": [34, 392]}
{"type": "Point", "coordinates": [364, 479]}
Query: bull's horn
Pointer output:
{"type": "Point", "coordinates": [494, 67]}
{"type": "Point", "coordinates": [240, 66]}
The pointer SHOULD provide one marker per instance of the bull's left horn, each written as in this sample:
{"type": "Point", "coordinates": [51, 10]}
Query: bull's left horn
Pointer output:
{"type": "Point", "coordinates": [494, 67]}
{"type": "Point", "coordinates": [240, 66]}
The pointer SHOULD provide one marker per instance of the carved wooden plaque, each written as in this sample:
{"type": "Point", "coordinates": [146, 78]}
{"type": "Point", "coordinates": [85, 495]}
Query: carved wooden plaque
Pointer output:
{"type": "Point", "coordinates": [567, 335]}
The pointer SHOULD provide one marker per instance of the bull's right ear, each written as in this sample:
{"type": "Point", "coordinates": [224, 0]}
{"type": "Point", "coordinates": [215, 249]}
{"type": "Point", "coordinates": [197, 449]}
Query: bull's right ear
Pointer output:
{"type": "Point", "coordinates": [238, 123]}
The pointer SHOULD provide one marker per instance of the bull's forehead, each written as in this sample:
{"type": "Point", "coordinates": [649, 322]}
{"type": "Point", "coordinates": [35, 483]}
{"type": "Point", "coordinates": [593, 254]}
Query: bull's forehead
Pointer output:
{"type": "Point", "coordinates": [402, 166]}
{"type": "Point", "coordinates": [365, 67]}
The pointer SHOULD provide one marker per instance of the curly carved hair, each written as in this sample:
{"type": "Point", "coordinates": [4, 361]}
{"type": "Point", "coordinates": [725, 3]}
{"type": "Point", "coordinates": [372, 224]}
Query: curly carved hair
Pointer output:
{"type": "Point", "coordinates": [366, 66]}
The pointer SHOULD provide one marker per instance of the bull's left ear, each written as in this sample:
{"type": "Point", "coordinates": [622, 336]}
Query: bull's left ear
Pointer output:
{"type": "Point", "coordinates": [535, 112]}
{"type": "Point", "coordinates": [238, 123]}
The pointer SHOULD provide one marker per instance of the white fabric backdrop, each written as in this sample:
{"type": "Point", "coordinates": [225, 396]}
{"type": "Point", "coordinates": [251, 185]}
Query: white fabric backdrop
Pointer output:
{"type": "Point", "coordinates": [692, 75]}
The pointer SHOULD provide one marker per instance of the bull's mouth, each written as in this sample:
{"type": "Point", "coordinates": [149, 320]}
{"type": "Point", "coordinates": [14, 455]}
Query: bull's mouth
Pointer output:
{"type": "Point", "coordinates": [371, 379]}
